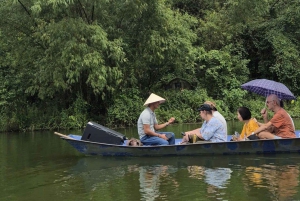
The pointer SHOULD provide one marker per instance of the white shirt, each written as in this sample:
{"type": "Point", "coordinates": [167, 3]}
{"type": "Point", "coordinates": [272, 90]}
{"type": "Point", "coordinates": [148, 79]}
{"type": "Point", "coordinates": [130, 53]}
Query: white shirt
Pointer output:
{"type": "Point", "coordinates": [221, 118]}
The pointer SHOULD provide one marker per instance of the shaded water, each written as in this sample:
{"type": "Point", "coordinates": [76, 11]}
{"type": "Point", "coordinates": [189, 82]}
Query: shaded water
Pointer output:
{"type": "Point", "coordinates": [41, 166]}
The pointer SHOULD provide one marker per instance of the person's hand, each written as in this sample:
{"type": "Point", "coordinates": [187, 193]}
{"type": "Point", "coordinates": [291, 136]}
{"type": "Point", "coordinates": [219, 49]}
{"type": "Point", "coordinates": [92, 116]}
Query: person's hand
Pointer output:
{"type": "Point", "coordinates": [188, 133]}
{"type": "Point", "coordinates": [171, 120]}
{"type": "Point", "coordinates": [163, 136]}
{"type": "Point", "coordinates": [264, 112]}
{"type": "Point", "coordinates": [234, 138]}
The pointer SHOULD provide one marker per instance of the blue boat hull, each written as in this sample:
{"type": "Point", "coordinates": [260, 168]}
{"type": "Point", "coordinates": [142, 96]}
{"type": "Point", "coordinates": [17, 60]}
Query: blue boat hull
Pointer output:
{"type": "Point", "coordinates": [221, 148]}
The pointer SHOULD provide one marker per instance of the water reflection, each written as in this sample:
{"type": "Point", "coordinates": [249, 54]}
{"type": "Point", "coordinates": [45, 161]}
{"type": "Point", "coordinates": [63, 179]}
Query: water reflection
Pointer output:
{"type": "Point", "coordinates": [281, 182]}
{"type": "Point", "coordinates": [217, 177]}
{"type": "Point", "coordinates": [192, 177]}
{"type": "Point", "coordinates": [150, 178]}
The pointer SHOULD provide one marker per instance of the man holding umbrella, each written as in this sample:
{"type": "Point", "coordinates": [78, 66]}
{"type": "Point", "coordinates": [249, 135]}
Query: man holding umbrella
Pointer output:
{"type": "Point", "coordinates": [281, 121]}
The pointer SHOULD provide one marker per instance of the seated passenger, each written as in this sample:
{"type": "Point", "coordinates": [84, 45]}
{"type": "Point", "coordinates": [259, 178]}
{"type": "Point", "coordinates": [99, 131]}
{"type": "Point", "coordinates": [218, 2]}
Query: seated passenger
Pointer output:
{"type": "Point", "coordinates": [212, 129]}
{"type": "Point", "coordinates": [250, 124]}
{"type": "Point", "coordinates": [281, 122]}
{"type": "Point", "coordinates": [264, 112]}
{"type": "Point", "coordinates": [217, 114]}
{"type": "Point", "coordinates": [147, 124]}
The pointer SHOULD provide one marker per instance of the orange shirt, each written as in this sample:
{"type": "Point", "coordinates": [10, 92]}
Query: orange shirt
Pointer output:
{"type": "Point", "coordinates": [283, 123]}
{"type": "Point", "coordinates": [248, 128]}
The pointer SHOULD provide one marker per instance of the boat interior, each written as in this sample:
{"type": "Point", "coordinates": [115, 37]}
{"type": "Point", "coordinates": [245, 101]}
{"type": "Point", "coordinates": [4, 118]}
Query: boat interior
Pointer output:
{"type": "Point", "coordinates": [177, 141]}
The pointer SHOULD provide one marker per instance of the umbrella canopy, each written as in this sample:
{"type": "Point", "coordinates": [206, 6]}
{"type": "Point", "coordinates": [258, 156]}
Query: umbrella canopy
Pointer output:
{"type": "Point", "coordinates": [266, 87]}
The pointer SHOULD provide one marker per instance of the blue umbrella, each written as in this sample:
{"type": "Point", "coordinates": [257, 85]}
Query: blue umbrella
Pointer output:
{"type": "Point", "coordinates": [266, 87]}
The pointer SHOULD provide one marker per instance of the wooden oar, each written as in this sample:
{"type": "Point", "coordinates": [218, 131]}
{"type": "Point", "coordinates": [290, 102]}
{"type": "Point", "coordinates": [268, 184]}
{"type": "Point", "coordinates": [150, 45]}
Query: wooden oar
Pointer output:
{"type": "Point", "coordinates": [62, 135]}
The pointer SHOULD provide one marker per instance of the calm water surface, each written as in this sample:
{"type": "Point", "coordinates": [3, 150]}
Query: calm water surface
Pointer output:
{"type": "Point", "coordinates": [41, 166]}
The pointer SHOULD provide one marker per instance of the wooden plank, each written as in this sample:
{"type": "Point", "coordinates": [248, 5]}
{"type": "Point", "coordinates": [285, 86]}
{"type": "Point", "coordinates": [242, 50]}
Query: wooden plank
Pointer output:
{"type": "Point", "coordinates": [63, 136]}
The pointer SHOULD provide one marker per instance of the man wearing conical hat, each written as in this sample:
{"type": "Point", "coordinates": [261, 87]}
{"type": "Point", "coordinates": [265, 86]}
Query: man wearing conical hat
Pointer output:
{"type": "Point", "coordinates": [147, 124]}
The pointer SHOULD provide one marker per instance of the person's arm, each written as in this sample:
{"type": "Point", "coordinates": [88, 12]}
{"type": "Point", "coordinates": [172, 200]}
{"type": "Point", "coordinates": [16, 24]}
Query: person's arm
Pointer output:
{"type": "Point", "coordinates": [207, 134]}
{"type": "Point", "coordinates": [161, 126]}
{"type": "Point", "coordinates": [260, 124]}
{"type": "Point", "coordinates": [262, 128]}
{"type": "Point", "coordinates": [188, 133]}
{"type": "Point", "coordinates": [210, 130]}
{"type": "Point", "coordinates": [148, 131]}
{"type": "Point", "coordinates": [196, 131]}
{"type": "Point", "coordinates": [264, 114]}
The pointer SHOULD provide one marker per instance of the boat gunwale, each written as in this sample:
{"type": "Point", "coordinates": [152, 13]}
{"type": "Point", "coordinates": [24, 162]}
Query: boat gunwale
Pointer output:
{"type": "Point", "coordinates": [175, 145]}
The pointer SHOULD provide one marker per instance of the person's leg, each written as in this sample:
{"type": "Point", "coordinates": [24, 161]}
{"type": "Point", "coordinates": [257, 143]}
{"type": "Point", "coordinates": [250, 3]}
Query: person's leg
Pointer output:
{"type": "Point", "coordinates": [148, 140]}
{"type": "Point", "coordinates": [267, 135]}
{"type": "Point", "coordinates": [171, 139]}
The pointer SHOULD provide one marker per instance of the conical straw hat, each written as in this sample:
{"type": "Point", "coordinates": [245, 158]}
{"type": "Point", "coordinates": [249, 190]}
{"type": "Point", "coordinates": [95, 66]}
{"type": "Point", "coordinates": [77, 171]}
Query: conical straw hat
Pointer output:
{"type": "Point", "coordinates": [154, 98]}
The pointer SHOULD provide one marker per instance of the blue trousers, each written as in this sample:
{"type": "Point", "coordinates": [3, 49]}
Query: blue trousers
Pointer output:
{"type": "Point", "coordinates": [153, 140]}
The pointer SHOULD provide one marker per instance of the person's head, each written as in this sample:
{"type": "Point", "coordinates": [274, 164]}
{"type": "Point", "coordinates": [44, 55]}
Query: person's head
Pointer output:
{"type": "Point", "coordinates": [272, 102]}
{"type": "Point", "coordinates": [154, 101]}
{"type": "Point", "coordinates": [243, 113]}
{"type": "Point", "coordinates": [205, 111]}
{"type": "Point", "coordinates": [212, 105]}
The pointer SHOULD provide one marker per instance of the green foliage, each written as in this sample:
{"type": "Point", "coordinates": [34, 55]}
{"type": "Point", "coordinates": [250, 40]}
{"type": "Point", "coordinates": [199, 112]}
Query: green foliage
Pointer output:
{"type": "Point", "coordinates": [183, 105]}
{"type": "Point", "coordinates": [78, 115]}
{"type": "Point", "coordinates": [159, 43]}
{"type": "Point", "coordinates": [227, 63]}
{"type": "Point", "coordinates": [293, 107]}
{"type": "Point", "coordinates": [270, 34]}
{"type": "Point", "coordinates": [74, 56]}
{"type": "Point", "coordinates": [125, 109]}
{"type": "Point", "coordinates": [233, 98]}
{"type": "Point", "coordinates": [65, 62]}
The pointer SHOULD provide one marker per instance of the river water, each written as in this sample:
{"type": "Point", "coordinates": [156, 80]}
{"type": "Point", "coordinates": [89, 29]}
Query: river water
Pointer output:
{"type": "Point", "coordinates": [41, 166]}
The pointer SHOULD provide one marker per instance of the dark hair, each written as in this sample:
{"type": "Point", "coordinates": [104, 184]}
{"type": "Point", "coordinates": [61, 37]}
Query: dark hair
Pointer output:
{"type": "Point", "coordinates": [244, 112]}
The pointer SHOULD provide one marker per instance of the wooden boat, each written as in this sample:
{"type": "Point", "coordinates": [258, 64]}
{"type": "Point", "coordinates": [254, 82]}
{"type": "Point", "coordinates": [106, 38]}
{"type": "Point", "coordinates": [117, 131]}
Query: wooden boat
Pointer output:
{"type": "Point", "coordinates": [275, 146]}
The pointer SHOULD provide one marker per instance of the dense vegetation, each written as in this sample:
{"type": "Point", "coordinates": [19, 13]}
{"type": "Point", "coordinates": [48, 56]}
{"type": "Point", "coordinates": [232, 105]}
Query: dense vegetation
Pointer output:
{"type": "Point", "coordinates": [65, 62]}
